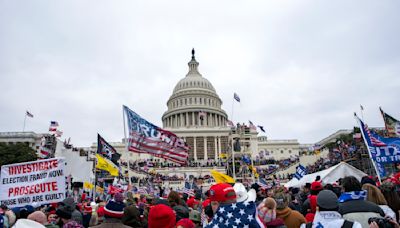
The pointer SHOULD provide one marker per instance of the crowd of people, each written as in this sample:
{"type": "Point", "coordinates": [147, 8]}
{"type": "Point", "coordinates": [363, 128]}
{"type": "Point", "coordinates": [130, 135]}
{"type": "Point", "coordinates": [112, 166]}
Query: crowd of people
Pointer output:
{"type": "Point", "coordinates": [345, 203]}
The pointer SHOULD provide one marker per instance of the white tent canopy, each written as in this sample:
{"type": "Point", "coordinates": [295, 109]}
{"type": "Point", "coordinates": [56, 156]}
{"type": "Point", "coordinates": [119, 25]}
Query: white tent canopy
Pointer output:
{"type": "Point", "coordinates": [328, 176]}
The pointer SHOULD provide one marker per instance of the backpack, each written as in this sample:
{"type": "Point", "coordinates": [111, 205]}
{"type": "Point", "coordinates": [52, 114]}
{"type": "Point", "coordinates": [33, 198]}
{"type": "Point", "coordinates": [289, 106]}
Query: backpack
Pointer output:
{"type": "Point", "coordinates": [346, 224]}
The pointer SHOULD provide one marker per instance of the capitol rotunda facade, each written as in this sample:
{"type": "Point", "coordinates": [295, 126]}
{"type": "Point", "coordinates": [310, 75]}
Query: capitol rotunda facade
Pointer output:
{"type": "Point", "coordinates": [194, 113]}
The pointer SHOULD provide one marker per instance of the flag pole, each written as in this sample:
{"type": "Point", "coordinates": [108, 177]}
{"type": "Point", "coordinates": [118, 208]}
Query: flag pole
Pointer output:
{"type": "Point", "coordinates": [369, 151]}
{"type": "Point", "coordinates": [362, 112]}
{"type": "Point", "coordinates": [23, 129]}
{"type": "Point", "coordinates": [95, 179]}
{"type": "Point", "coordinates": [126, 145]}
{"type": "Point", "coordinates": [233, 151]}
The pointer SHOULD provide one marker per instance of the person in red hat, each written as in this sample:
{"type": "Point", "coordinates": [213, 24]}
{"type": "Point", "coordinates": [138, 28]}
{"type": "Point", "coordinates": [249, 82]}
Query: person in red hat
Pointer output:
{"type": "Point", "coordinates": [192, 203]}
{"type": "Point", "coordinates": [185, 223]}
{"type": "Point", "coordinates": [310, 205]}
{"type": "Point", "coordinates": [221, 193]}
{"type": "Point", "coordinates": [161, 216]}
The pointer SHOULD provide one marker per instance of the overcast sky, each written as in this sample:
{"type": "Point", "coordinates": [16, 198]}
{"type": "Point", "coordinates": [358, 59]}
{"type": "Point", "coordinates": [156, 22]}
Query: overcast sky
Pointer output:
{"type": "Point", "coordinates": [301, 68]}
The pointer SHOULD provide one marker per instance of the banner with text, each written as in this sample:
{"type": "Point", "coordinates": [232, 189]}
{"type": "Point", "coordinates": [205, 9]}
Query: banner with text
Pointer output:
{"type": "Point", "coordinates": [40, 182]}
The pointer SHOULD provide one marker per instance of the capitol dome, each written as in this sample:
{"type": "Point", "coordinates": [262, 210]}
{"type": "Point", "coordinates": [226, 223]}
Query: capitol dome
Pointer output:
{"type": "Point", "coordinates": [194, 102]}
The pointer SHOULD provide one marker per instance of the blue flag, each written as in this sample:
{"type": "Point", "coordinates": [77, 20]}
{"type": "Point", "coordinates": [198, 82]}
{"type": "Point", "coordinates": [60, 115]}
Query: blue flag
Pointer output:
{"type": "Point", "coordinates": [300, 172]}
{"type": "Point", "coordinates": [382, 150]}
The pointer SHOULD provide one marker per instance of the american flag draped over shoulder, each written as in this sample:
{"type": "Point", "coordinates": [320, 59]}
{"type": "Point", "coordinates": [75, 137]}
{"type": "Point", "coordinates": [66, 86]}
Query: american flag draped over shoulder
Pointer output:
{"type": "Point", "coordinates": [236, 215]}
{"type": "Point", "coordinates": [145, 137]}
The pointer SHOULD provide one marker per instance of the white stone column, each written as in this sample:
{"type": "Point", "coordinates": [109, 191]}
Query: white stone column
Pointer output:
{"type": "Point", "coordinates": [187, 118]}
{"type": "Point", "coordinates": [176, 120]}
{"type": "Point", "coordinates": [193, 119]}
{"type": "Point", "coordinates": [205, 149]}
{"type": "Point", "coordinates": [181, 117]}
{"type": "Point", "coordinates": [216, 148]}
{"type": "Point", "coordinates": [219, 145]}
{"type": "Point", "coordinates": [195, 148]}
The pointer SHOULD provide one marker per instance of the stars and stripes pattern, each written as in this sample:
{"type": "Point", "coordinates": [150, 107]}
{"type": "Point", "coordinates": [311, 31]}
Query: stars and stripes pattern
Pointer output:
{"type": "Point", "coordinates": [53, 126]}
{"type": "Point", "coordinates": [142, 190]}
{"type": "Point", "coordinates": [374, 139]}
{"type": "Point", "coordinates": [236, 215]}
{"type": "Point", "coordinates": [252, 126]}
{"type": "Point", "coordinates": [392, 125]}
{"type": "Point", "coordinates": [145, 137]}
{"type": "Point", "coordinates": [229, 123]}
{"type": "Point", "coordinates": [188, 191]}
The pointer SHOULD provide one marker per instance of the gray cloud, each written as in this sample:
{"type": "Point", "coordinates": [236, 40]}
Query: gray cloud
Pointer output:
{"type": "Point", "coordinates": [301, 68]}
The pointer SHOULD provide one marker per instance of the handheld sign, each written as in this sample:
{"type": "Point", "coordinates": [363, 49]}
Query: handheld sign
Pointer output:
{"type": "Point", "coordinates": [40, 182]}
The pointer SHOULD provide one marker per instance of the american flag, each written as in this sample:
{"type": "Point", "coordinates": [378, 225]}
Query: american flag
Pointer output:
{"type": "Point", "coordinates": [242, 214]}
{"type": "Point", "coordinates": [188, 191]}
{"type": "Point", "coordinates": [204, 218]}
{"type": "Point", "coordinates": [229, 123]}
{"type": "Point", "coordinates": [53, 125]}
{"type": "Point", "coordinates": [252, 126]}
{"type": "Point", "coordinates": [142, 190]}
{"type": "Point", "coordinates": [263, 184]}
{"type": "Point", "coordinates": [373, 137]}
{"type": "Point", "coordinates": [145, 137]}
{"type": "Point", "coordinates": [236, 97]}
{"type": "Point", "coordinates": [44, 152]}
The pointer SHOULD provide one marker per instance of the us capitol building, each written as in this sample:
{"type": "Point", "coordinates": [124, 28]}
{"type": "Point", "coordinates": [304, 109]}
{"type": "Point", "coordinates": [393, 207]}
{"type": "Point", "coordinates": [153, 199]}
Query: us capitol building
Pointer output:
{"type": "Point", "coordinates": [194, 113]}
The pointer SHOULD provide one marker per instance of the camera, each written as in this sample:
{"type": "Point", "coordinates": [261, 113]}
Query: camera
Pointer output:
{"type": "Point", "coordinates": [382, 222]}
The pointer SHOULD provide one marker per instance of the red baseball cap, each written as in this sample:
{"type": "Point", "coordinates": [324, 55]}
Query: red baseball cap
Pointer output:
{"type": "Point", "coordinates": [206, 203]}
{"type": "Point", "coordinates": [222, 192]}
{"type": "Point", "coordinates": [316, 185]}
{"type": "Point", "coordinates": [191, 202]}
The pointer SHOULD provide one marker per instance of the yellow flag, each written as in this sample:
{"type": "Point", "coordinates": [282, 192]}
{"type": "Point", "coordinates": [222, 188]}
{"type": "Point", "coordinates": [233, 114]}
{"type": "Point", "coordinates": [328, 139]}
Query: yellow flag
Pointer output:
{"type": "Point", "coordinates": [223, 155]}
{"type": "Point", "coordinates": [222, 178]}
{"type": "Point", "coordinates": [107, 165]}
{"type": "Point", "coordinates": [99, 189]}
{"type": "Point", "coordinates": [87, 185]}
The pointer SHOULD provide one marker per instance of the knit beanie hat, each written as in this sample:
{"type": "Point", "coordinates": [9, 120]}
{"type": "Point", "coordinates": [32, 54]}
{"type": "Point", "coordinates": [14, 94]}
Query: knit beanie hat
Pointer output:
{"type": "Point", "coordinates": [66, 208]}
{"type": "Point", "coordinates": [114, 209]}
{"type": "Point", "coordinates": [161, 216]}
{"type": "Point", "coordinates": [118, 197]}
{"type": "Point", "coordinates": [185, 223]}
{"type": "Point", "coordinates": [181, 212]}
{"type": "Point", "coordinates": [267, 210]}
{"type": "Point", "coordinates": [39, 217]}
{"type": "Point", "coordinates": [327, 200]}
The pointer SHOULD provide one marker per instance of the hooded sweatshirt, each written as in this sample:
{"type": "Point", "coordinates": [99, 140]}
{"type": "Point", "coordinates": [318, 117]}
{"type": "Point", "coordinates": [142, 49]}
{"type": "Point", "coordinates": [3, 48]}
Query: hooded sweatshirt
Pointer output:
{"type": "Point", "coordinates": [291, 218]}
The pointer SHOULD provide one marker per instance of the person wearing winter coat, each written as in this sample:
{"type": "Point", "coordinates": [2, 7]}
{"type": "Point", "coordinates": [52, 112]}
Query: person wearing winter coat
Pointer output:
{"type": "Point", "coordinates": [327, 214]}
{"type": "Point", "coordinates": [353, 205]}
{"type": "Point", "coordinates": [290, 217]}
